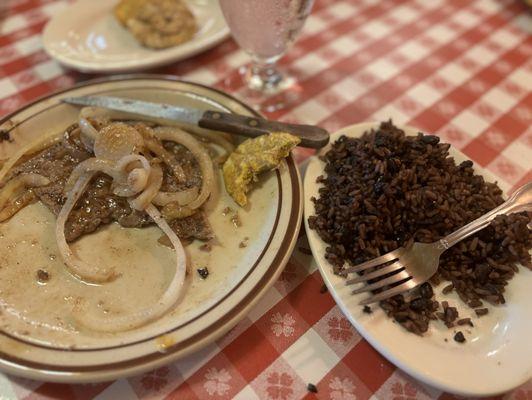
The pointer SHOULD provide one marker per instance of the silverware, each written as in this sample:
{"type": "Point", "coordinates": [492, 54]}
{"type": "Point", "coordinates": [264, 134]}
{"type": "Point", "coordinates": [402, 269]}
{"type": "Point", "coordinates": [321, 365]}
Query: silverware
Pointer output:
{"type": "Point", "coordinates": [406, 268]}
{"type": "Point", "coordinates": [311, 136]}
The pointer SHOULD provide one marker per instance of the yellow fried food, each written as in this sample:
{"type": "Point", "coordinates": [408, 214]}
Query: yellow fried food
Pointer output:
{"type": "Point", "coordinates": [253, 157]}
{"type": "Point", "coordinates": [127, 9]}
{"type": "Point", "coordinates": [157, 23]}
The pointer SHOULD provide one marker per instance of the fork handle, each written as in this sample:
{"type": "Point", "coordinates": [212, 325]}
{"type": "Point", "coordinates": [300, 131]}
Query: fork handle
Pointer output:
{"type": "Point", "coordinates": [521, 200]}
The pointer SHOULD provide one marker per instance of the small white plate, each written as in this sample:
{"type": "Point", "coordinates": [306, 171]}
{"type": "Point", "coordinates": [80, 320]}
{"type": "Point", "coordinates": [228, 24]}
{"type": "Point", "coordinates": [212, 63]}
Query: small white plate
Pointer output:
{"type": "Point", "coordinates": [497, 356]}
{"type": "Point", "coordinates": [86, 36]}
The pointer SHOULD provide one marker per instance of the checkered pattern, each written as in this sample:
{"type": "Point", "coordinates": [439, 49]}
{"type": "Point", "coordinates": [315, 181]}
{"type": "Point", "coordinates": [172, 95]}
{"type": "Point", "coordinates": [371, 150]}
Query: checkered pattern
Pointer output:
{"type": "Point", "coordinates": [460, 68]}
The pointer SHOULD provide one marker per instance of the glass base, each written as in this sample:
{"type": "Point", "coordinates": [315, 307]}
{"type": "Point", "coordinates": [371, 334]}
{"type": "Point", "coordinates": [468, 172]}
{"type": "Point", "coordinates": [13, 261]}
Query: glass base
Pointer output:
{"type": "Point", "coordinates": [264, 88]}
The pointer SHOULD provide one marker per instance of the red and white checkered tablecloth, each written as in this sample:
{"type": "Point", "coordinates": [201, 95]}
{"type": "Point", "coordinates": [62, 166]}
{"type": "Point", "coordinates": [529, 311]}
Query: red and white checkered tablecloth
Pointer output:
{"type": "Point", "coordinates": [460, 68]}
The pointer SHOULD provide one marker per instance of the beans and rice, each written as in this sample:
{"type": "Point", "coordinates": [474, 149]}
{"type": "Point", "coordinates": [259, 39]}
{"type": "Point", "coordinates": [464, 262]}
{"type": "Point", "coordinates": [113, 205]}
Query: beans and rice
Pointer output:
{"type": "Point", "coordinates": [386, 190]}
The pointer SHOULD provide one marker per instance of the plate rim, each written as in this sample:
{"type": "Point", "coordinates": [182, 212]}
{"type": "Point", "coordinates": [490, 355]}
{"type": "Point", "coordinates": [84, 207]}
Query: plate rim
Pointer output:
{"type": "Point", "coordinates": [416, 373]}
{"type": "Point", "coordinates": [229, 319]}
{"type": "Point", "coordinates": [93, 67]}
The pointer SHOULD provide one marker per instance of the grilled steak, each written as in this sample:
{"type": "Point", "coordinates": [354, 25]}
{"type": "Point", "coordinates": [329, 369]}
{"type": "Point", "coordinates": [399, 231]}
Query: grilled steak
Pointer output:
{"type": "Point", "coordinates": [98, 205]}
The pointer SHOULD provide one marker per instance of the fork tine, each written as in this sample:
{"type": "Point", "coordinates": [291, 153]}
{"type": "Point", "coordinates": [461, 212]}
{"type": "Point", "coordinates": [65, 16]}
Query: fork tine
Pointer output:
{"type": "Point", "coordinates": [392, 255]}
{"type": "Point", "coordinates": [384, 282]}
{"type": "Point", "coordinates": [396, 266]}
{"type": "Point", "coordinates": [410, 284]}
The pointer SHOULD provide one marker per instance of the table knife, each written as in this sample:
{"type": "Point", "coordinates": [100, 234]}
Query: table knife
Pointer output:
{"type": "Point", "coordinates": [311, 136]}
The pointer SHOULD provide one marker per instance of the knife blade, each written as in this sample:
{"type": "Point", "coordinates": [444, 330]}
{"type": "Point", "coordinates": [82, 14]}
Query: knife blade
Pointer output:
{"type": "Point", "coordinates": [311, 136]}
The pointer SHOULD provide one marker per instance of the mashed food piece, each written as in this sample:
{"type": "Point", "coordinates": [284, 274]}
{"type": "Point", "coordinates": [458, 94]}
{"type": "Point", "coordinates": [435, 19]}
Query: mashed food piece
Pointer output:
{"type": "Point", "coordinates": [253, 157]}
{"type": "Point", "coordinates": [157, 23]}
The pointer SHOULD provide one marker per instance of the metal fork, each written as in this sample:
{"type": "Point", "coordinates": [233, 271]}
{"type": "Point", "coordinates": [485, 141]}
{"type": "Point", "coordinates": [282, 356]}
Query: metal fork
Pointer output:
{"type": "Point", "coordinates": [413, 266]}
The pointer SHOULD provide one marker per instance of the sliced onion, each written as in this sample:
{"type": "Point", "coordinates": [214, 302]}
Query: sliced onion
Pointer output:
{"type": "Point", "coordinates": [185, 139]}
{"type": "Point", "coordinates": [137, 178]}
{"type": "Point", "coordinates": [207, 134]}
{"type": "Point", "coordinates": [17, 205]}
{"type": "Point", "coordinates": [32, 147]}
{"type": "Point", "coordinates": [154, 184]}
{"type": "Point", "coordinates": [22, 181]}
{"type": "Point", "coordinates": [88, 133]}
{"type": "Point", "coordinates": [155, 146]}
{"type": "Point", "coordinates": [125, 161]}
{"type": "Point", "coordinates": [113, 323]}
{"type": "Point", "coordinates": [93, 165]}
{"type": "Point", "coordinates": [117, 140]}
{"type": "Point", "coordinates": [182, 197]}
{"type": "Point", "coordinates": [217, 138]}
{"type": "Point", "coordinates": [77, 267]}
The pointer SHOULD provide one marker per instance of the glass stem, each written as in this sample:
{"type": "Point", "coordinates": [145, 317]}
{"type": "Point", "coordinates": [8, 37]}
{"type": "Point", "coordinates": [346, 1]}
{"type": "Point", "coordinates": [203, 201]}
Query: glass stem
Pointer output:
{"type": "Point", "coordinates": [264, 77]}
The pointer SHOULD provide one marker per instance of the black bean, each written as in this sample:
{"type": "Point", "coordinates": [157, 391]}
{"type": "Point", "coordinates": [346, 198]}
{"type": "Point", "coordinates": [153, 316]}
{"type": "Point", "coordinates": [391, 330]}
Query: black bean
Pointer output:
{"type": "Point", "coordinates": [426, 290]}
{"type": "Point", "coordinates": [465, 321]}
{"type": "Point", "coordinates": [312, 388]}
{"type": "Point", "coordinates": [418, 304]}
{"type": "Point", "coordinates": [203, 272]}
{"type": "Point", "coordinates": [401, 316]}
{"type": "Point", "coordinates": [459, 337]}
{"type": "Point", "coordinates": [430, 139]}
{"type": "Point", "coordinates": [481, 311]}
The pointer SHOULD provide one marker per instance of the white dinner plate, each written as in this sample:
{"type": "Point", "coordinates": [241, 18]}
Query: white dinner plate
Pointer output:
{"type": "Point", "coordinates": [86, 36]}
{"type": "Point", "coordinates": [497, 356]}
{"type": "Point", "coordinates": [37, 337]}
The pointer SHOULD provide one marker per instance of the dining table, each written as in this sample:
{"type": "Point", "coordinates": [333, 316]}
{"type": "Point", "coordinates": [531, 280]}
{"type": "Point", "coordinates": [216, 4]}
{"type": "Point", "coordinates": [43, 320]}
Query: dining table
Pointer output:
{"type": "Point", "coordinates": [460, 69]}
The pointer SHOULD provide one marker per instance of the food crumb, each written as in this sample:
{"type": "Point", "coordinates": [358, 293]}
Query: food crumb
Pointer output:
{"type": "Point", "coordinates": [243, 243]}
{"type": "Point", "coordinates": [5, 136]}
{"type": "Point", "coordinates": [481, 311]}
{"type": "Point", "coordinates": [203, 272]}
{"type": "Point", "coordinates": [459, 337]}
{"type": "Point", "coordinates": [226, 211]}
{"type": "Point", "coordinates": [235, 219]}
{"type": "Point", "coordinates": [206, 247]}
{"type": "Point", "coordinates": [312, 388]}
{"type": "Point", "coordinates": [43, 276]}
{"type": "Point", "coordinates": [367, 309]}
{"type": "Point", "coordinates": [323, 288]}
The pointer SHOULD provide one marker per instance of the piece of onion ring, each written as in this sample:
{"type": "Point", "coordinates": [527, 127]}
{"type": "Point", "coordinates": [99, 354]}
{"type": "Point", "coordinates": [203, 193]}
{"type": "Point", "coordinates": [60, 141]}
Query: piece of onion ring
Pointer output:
{"type": "Point", "coordinates": [88, 133]}
{"type": "Point", "coordinates": [93, 165]}
{"type": "Point", "coordinates": [34, 146]}
{"type": "Point", "coordinates": [205, 163]}
{"type": "Point", "coordinates": [155, 181]}
{"type": "Point", "coordinates": [22, 181]}
{"type": "Point", "coordinates": [117, 140]}
{"type": "Point", "coordinates": [137, 178]}
{"type": "Point", "coordinates": [115, 323]}
{"type": "Point", "coordinates": [77, 267]}
{"type": "Point", "coordinates": [155, 146]}
{"type": "Point", "coordinates": [183, 197]}
{"type": "Point", "coordinates": [14, 207]}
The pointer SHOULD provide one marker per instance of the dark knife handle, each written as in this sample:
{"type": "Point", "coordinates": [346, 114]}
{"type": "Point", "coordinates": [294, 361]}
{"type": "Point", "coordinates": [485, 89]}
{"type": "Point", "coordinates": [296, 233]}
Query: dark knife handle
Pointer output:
{"type": "Point", "coordinates": [311, 136]}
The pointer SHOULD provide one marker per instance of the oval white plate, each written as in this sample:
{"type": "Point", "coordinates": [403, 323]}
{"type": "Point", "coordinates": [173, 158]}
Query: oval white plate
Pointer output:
{"type": "Point", "coordinates": [497, 356]}
{"type": "Point", "coordinates": [86, 36]}
{"type": "Point", "coordinates": [238, 276]}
